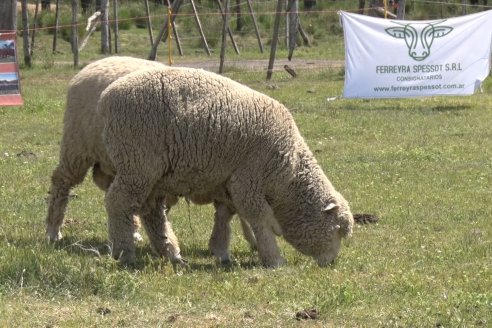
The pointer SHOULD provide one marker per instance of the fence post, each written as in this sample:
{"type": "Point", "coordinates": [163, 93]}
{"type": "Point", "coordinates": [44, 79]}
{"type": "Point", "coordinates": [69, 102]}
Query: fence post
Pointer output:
{"type": "Point", "coordinates": [149, 22]}
{"type": "Point", "coordinates": [197, 19]}
{"type": "Point", "coordinates": [273, 49]}
{"type": "Point", "coordinates": [251, 12]}
{"type": "Point", "coordinates": [400, 13]}
{"type": "Point", "coordinates": [104, 27]}
{"type": "Point", "coordinates": [36, 10]}
{"type": "Point", "coordinates": [224, 15]}
{"type": "Point", "coordinates": [116, 27]}
{"type": "Point", "coordinates": [75, 35]}
{"type": "Point", "coordinates": [25, 34]}
{"type": "Point", "coordinates": [57, 24]}
{"type": "Point", "coordinates": [225, 28]}
{"type": "Point", "coordinates": [163, 31]}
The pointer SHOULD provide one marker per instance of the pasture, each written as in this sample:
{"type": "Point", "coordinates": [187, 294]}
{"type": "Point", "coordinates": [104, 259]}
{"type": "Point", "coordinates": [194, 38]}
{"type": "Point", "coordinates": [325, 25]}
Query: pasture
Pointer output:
{"type": "Point", "coordinates": [424, 166]}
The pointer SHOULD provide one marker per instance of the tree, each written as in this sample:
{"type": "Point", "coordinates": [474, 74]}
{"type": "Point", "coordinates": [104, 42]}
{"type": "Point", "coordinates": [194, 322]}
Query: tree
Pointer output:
{"type": "Point", "coordinates": [8, 15]}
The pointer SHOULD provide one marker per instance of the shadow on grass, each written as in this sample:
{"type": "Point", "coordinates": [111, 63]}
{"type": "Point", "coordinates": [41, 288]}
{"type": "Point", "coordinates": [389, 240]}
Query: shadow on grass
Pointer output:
{"type": "Point", "coordinates": [449, 108]}
{"type": "Point", "coordinates": [145, 257]}
{"type": "Point", "coordinates": [365, 105]}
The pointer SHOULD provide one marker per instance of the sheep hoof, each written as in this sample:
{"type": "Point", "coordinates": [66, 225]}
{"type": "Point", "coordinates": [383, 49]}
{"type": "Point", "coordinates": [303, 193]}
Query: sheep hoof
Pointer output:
{"type": "Point", "coordinates": [226, 262]}
{"type": "Point", "coordinates": [274, 264]}
{"type": "Point", "coordinates": [180, 264]}
{"type": "Point", "coordinates": [125, 257]}
{"type": "Point", "coordinates": [53, 237]}
{"type": "Point", "coordinates": [137, 237]}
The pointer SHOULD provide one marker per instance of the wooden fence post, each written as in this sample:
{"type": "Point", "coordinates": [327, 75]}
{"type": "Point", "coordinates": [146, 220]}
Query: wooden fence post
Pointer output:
{"type": "Point", "coordinates": [292, 26]}
{"type": "Point", "coordinates": [400, 12]}
{"type": "Point", "coordinates": [25, 34]}
{"type": "Point", "coordinates": [116, 27]}
{"type": "Point", "coordinates": [273, 48]}
{"type": "Point", "coordinates": [199, 25]}
{"type": "Point", "coordinates": [225, 28]}
{"type": "Point", "coordinates": [224, 17]}
{"type": "Point", "coordinates": [36, 11]}
{"type": "Point", "coordinates": [175, 32]}
{"type": "Point", "coordinates": [57, 24]}
{"type": "Point", "coordinates": [251, 12]}
{"type": "Point", "coordinates": [149, 22]}
{"type": "Point", "coordinates": [75, 35]}
{"type": "Point", "coordinates": [163, 32]}
{"type": "Point", "coordinates": [104, 27]}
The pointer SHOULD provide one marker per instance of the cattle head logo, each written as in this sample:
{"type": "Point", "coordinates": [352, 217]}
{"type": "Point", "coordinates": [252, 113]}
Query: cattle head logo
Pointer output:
{"type": "Point", "coordinates": [419, 36]}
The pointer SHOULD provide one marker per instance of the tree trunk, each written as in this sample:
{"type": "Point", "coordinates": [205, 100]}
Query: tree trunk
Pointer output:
{"type": "Point", "coordinates": [8, 15]}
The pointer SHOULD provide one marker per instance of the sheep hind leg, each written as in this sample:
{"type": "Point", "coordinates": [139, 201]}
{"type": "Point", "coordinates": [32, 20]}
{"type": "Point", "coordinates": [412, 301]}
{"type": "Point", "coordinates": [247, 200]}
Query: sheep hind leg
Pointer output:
{"type": "Point", "coordinates": [63, 179]}
{"type": "Point", "coordinates": [221, 233]}
{"type": "Point", "coordinates": [162, 238]}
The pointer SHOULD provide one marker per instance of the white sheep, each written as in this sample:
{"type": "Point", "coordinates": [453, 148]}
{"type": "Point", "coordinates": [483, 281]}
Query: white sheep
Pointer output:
{"type": "Point", "coordinates": [82, 148]}
{"type": "Point", "coordinates": [190, 132]}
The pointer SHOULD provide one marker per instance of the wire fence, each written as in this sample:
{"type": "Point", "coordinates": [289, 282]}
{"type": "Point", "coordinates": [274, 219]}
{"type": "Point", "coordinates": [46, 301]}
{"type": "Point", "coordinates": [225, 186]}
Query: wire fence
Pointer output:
{"type": "Point", "coordinates": [321, 25]}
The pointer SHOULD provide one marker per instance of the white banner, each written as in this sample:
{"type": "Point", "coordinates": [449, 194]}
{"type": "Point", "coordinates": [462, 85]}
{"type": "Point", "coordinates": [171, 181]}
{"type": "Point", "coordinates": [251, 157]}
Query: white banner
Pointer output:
{"type": "Point", "coordinates": [388, 58]}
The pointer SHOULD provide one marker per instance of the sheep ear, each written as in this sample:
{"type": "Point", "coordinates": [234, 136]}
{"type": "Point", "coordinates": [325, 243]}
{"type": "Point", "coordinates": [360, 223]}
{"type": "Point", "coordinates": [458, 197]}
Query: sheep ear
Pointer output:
{"type": "Point", "coordinates": [330, 207]}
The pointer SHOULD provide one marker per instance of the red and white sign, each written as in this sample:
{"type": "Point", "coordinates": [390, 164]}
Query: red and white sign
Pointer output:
{"type": "Point", "coordinates": [10, 94]}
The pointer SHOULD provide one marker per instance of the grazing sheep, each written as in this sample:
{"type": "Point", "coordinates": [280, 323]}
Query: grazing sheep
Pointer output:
{"type": "Point", "coordinates": [81, 145]}
{"type": "Point", "coordinates": [190, 132]}
{"type": "Point", "coordinates": [82, 148]}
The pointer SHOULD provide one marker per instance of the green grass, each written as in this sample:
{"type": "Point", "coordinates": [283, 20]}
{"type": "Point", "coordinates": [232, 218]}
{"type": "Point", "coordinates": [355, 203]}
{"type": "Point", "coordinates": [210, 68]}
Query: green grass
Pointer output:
{"type": "Point", "coordinates": [423, 165]}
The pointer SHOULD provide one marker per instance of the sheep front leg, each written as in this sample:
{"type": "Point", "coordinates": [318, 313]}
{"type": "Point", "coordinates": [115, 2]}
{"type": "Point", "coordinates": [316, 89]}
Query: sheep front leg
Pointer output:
{"type": "Point", "coordinates": [162, 238]}
{"type": "Point", "coordinates": [251, 206]}
{"type": "Point", "coordinates": [123, 199]}
{"type": "Point", "coordinates": [267, 245]}
{"type": "Point", "coordinates": [103, 181]}
{"type": "Point", "coordinates": [221, 233]}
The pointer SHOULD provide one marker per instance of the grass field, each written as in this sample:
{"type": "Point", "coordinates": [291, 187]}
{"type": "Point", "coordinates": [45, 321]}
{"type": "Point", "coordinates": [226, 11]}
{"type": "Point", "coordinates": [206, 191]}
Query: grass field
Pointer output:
{"type": "Point", "coordinates": [424, 166]}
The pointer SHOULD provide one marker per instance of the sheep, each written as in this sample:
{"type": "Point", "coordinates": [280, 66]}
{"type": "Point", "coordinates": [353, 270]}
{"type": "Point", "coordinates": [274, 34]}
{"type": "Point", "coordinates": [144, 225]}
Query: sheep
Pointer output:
{"type": "Point", "coordinates": [82, 148]}
{"type": "Point", "coordinates": [190, 132]}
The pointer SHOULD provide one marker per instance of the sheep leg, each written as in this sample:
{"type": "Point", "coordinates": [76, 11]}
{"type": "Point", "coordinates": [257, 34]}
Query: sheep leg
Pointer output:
{"type": "Point", "coordinates": [63, 179]}
{"type": "Point", "coordinates": [162, 238]}
{"type": "Point", "coordinates": [252, 206]}
{"type": "Point", "coordinates": [248, 234]}
{"type": "Point", "coordinates": [124, 198]}
{"type": "Point", "coordinates": [221, 233]}
{"type": "Point", "coordinates": [103, 181]}
{"type": "Point", "coordinates": [267, 244]}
